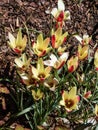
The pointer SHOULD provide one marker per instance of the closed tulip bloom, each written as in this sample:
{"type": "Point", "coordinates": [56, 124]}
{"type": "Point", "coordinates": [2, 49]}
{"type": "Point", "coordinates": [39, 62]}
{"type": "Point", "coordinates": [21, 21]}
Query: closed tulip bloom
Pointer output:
{"type": "Point", "coordinates": [17, 44]}
{"type": "Point", "coordinates": [58, 38]}
{"type": "Point", "coordinates": [83, 51]}
{"type": "Point", "coordinates": [72, 63]}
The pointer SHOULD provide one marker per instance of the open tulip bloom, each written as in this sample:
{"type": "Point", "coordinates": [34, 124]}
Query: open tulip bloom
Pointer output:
{"type": "Point", "coordinates": [70, 99]}
{"type": "Point", "coordinates": [51, 83]}
{"type": "Point", "coordinates": [40, 72]}
{"type": "Point", "coordinates": [85, 40]}
{"type": "Point", "coordinates": [17, 44]}
{"type": "Point", "coordinates": [59, 13]}
{"type": "Point", "coordinates": [22, 62]}
{"type": "Point", "coordinates": [55, 62]}
{"type": "Point", "coordinates": [37, 95]}
{"type": "Point", "coordinates": [41, 47]}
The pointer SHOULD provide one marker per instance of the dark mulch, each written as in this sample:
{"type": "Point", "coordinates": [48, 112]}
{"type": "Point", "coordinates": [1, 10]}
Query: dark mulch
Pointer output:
{"type": "Point", "coordinates": [36, 15]}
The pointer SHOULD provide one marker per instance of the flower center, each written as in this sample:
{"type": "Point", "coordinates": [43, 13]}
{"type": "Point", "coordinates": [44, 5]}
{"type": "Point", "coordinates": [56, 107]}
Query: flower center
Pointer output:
{"type": "Point", "coordinates": [41, 76]}
{"type": "Point", "coordinates": [69, 103]}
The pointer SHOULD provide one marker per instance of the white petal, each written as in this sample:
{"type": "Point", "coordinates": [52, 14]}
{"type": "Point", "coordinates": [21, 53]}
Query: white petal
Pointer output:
{"type": "Point", "coordinates": [61, 5]}
{"type": "Point", "coordinates": [67, 15]}
{"type": "Point", "coordinates": [48, 63]}
{"type": "Point", "coordinates": [64, 55]}
{"type": "Point", "coordinates": [62, 103]}
{"type": "Point", "coordinates": [85, 36]}
{"type": "Point", "coordinates": [11, 40]}
{"type": "Point", "coordinates": [23, 76]}
{"type": "Point", "coordinates": [78, 38]}
{"type": "Point", "coordinates": [53, 58]}
{"type": "Point", "coordinates": [55, 81]}
{"type": "Point", "coordinates": [54, 11]}
{"type": "Point", "coordinates": [18, 62]}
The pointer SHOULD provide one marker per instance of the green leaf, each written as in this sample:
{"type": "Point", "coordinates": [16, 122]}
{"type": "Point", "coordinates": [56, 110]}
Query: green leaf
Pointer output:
{"type": "Point", "coordinates": [24, 111]}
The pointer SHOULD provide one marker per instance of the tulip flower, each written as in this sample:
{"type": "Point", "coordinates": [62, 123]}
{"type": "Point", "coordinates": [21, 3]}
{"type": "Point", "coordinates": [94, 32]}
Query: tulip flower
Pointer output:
{"type": "Point", "coordinates": [87, 94]}
{"type": "Point", "coordinates": [96, 110]}
{"type": "Point", "coordinates": [41, 47]}
{"type": "Point", "coordinates": [37, 95]}
{"type": "Point", "coordinates": [61, 50]}
{"type": "Point", "coordinates": [80, 77]}
{"type": "Point", "coordinates": [40, 72]}
{"type": "Point", "coordinates": [22, 62]}
{"type": "Point", "coordinates": [55, 62]}
{"type": "Point", "coordinates": [28, 79]}
{"type": "Point", "coordinates": [70, 99]}
{"type": "Point", "coordinates": [72, 64]}
{"type": "Point", "coordinates": [51, 83]}
{"type": "Point", "coordinates": [17, 44]}
{"type": "Point", "coordinates": [57, 38]}
{"type": "Point", "coordinates": [83, 52]}
{"type": "Point", "coordinates": [85, 40]}
{"type": "Point", "coordinates": [96, 59]}
{"type": "Point", "coordinates": [60, 14]}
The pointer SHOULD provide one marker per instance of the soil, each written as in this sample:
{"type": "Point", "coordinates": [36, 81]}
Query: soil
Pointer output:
{"type": "Point", "coordinates": [35, 14]}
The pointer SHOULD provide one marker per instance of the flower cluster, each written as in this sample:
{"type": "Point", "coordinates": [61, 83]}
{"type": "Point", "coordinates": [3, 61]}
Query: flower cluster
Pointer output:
{"type": "Point", "coordinates": [56, 68]}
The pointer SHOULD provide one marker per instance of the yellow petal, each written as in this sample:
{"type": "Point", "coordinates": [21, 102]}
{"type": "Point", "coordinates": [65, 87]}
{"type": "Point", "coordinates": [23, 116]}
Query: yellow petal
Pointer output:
{"type": "Point", "coordinates": [23, 43]}
{"type": "Point", "coordinates": [40, 66]}
{"type": "Point", "coordinates": [96, 59]}
{"type": "Point", "coordinates": [96, 110]}
{"type": "Point", "coordinates": [39, 40]}
{"type": "Point", "coordinates": [46, 43]}
{"type": "Point", "coordinates": [19, 127]}
{"type": "Point", "coordinates": [64, 35]}
{"type": "Point", "coordinates": [47, 71]}
{"type": "Point", "coordinates": [65, 95]}
{"type": "Point", "coordinates": [96, 54]}
{"type": "Point", "coordinates": [83, 52]}
{"type": "Point", "coordinates": [19, 38]}
{"type": "Point", "coordinates": [72, 93]}
{"type": "Point", "coordinates": [58, 33]}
